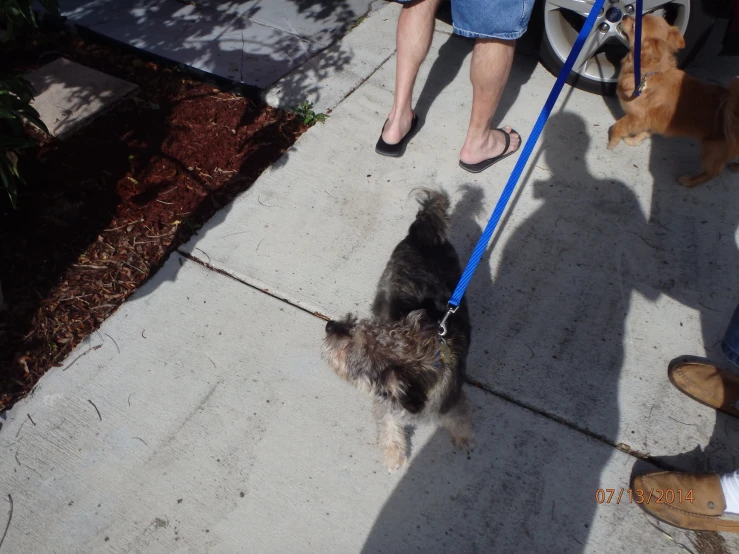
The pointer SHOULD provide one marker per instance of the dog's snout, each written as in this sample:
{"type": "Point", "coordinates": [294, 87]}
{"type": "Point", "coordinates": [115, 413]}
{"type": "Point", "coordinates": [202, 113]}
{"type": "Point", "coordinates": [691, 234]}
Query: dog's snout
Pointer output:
{"type": "Point", "coordinates": [626, 25]}
{"type": "Point", "coordinates": [341, 328]}
{"type": "Point", "coordinates": [337, 328]}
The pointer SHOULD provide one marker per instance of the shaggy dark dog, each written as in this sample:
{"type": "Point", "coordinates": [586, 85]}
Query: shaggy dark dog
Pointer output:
{"type": "Point", "coordinates": [397, 355]}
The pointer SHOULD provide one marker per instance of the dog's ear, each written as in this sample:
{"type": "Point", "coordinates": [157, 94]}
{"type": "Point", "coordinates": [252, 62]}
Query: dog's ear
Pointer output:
{"type": "Point", "coordinates": [627, 26]}
{"type": "Point", "coordinates": [675, 39]}
{"type": "Point", "coordinates": [424, 318]}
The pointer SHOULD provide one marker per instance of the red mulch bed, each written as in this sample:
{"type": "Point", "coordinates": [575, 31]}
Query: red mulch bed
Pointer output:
{"type": "Point", "coordinates": [104, 208]}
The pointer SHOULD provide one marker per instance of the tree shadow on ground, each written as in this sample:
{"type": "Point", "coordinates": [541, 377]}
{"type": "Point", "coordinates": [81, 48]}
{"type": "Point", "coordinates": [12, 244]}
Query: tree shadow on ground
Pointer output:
{"type": "Point", "coordinates": [249, 43]}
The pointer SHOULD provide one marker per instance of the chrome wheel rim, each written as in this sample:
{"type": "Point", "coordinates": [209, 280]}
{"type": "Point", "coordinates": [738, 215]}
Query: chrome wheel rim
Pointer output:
{"type": "Point", "coordinates": [605, 47]}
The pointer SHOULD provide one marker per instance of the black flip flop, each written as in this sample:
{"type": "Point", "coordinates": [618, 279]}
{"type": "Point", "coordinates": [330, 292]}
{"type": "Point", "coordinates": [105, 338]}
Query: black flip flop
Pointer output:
{"type": "Point", "coordinates": [396, 150]}
{"type": "Point", "coordinates": [484, 164]}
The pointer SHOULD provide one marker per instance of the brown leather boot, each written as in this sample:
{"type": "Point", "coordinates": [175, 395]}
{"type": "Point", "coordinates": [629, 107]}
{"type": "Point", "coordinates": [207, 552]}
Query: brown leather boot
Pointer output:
{"type": "Point", "coordinates": [685, 500]}
{"type": "Point", "coordinates": [708, 384]}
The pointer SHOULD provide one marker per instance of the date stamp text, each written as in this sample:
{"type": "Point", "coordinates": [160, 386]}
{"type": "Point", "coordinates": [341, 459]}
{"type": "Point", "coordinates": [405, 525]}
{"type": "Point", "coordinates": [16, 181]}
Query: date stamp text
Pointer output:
{"type": "Point", "coordinates": [640, 496]}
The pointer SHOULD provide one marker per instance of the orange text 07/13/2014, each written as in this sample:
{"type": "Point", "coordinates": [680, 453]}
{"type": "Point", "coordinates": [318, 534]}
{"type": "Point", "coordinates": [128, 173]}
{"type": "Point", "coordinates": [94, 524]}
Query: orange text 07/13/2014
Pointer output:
{"type": "Point", "coordinates": [640, 496]}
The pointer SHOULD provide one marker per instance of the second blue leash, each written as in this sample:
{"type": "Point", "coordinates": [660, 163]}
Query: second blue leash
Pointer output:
{"type": "Point", "coordinates": [638, 85]}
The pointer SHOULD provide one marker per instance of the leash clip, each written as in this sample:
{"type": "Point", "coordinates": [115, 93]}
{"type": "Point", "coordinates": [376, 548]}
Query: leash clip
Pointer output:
{"type": "Point", "coordinates": [442, 323]}
{"type": "Point", "coordinates": [642, 85]}
{"type": "Point", "coordinates": [440, 353]}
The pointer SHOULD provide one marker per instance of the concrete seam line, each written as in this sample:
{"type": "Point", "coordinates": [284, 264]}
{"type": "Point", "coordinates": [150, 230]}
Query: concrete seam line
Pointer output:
{"type": "Point", "coordinates": [251, 286]}
{"type": "Point", "coordinates": [353, 89]}
{"type": "Point", "coordinates": [470, 381]}
{"type": "Point", "coordinates": [557, 419]}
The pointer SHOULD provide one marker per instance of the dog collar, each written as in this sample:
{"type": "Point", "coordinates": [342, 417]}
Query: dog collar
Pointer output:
{"type": "Point", "coordinates": [643, 83]}
{"type": "Point", "coordinates": [443, 354]}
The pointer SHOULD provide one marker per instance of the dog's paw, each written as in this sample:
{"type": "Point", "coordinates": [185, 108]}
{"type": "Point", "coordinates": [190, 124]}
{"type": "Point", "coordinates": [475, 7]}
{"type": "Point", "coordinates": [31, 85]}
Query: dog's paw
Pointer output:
{"type": "Point", "coordinates": [612, 139]}
{"type": "Point", "coordinates": [394, 458]}
{"type": "Point", "coordinates": [687, 181]}
{"type": "Point", "coordinates": [636, 140]}
{"type": "Point", "coordinates": [463, 442]}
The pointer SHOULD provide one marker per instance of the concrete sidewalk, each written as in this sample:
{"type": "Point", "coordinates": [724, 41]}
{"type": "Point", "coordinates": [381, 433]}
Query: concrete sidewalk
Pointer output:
{"type": "Point", "coordinates": [221, 430]}
{"type": "Point", "coordinates": [206, 421]}
{"type": "Point", "coordinates": [251, 42]}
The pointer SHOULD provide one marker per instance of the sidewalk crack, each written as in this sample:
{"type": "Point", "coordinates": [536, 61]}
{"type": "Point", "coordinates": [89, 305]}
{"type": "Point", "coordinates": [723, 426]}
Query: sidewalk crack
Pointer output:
{"type": "Point", "coordinates": [269, 293]}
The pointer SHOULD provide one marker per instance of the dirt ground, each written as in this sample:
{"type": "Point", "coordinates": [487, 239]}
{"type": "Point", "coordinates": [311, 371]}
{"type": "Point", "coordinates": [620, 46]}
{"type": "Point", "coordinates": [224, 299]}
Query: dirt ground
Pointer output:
{"type": "Point", "coordinates": [103, 209]}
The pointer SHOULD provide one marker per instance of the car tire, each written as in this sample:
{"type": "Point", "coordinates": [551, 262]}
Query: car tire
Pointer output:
{"type": "Point", "coordinates": [696, 32]}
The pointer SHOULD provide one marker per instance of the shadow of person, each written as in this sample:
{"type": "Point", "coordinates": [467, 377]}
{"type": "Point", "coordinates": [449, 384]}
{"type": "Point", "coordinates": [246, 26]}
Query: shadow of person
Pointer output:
{"type": "Point", "coordinates": [563, 287]}
{"type": "Point", "coordinates": [692, 237]}
{"type": "Point", "coordinates": [467, 221]}
{"type": "Point", "coordinates": [693, 232]}
{"type": "Point", "coordinates": [444, 70]}
{"type": "Point", "coordinates": [547, 333]}
{"type": "Point", "coordinates": [523, 67]}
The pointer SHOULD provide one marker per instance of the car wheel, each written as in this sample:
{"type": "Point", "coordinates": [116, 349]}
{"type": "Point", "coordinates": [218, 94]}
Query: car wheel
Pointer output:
{"type": "Point", "coordinates": [597, 67]}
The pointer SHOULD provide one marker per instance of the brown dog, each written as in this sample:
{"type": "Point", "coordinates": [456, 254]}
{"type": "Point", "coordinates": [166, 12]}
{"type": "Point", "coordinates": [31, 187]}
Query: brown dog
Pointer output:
{"type": "Point", "coordinates": [674, 104]}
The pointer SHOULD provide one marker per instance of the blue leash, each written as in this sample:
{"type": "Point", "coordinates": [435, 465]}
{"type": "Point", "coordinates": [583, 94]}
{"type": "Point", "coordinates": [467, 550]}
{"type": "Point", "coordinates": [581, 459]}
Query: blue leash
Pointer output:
{"type": "Point", "coordinates": [521, 163]}
{"type": "Point", "coordinates": [638, 85]}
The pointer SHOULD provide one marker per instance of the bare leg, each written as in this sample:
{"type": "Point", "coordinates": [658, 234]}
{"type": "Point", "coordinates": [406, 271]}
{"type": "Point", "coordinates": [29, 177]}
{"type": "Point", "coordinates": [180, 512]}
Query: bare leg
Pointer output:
{"type": "Point", "coordinates": [457, 422]}
{"type": "Point", "coordinates": [415, 30]}
{"type": "Point", "coordinates": [391, 437]}
{"type": "Point", "coordinates": [491, 65]}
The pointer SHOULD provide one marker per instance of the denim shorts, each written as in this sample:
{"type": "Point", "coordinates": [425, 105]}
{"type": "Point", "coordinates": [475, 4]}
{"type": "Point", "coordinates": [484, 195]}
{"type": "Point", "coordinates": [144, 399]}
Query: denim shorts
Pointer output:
{"type": "Point", "coordinates": [501, 19]}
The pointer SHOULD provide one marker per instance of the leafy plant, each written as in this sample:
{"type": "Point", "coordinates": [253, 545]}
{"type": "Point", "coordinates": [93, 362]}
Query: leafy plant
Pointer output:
{"type": "Point", "coordinates": [18, 15]}
{"type": "Point", "coordinates": [16, 95]}
{"type": "Point", "coordinates": [310, 118]}
{"type": "Point", "coordinates": [15, 106]}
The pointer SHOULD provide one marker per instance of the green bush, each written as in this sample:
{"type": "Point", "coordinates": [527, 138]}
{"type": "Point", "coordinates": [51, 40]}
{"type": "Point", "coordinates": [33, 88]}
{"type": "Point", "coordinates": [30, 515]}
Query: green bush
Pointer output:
{"type": "Point", "coordinates": [16, 16]}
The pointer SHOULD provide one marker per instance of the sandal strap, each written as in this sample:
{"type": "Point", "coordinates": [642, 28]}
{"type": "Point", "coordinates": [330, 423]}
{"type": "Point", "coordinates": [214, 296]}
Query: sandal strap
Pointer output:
{"type": "Point", "coordinates": [507, 141]}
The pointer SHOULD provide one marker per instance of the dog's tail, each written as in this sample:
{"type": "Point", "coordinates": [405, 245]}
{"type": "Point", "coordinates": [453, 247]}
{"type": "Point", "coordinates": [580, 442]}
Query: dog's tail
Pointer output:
{"type": "Point", "coordinates": [731, 113]}
{"type": "Point", "coordinates": [431, 226]}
